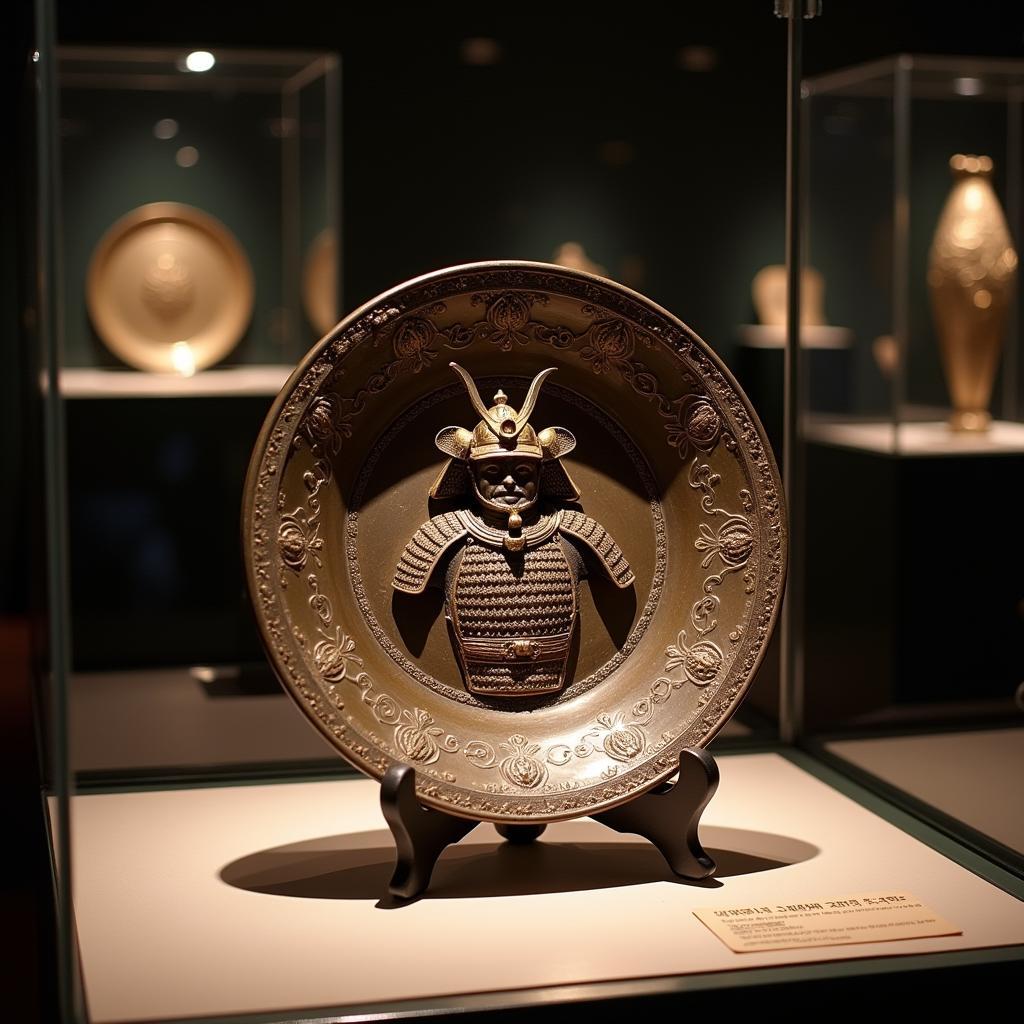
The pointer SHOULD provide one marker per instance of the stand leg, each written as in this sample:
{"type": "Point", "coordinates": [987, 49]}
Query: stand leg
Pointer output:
{"type": "Point", "coordinates": [669, 815]}
{"type": "Point", "coordinates": [421, 835]}
{"type": "Point", "coordinates": [520, 835]}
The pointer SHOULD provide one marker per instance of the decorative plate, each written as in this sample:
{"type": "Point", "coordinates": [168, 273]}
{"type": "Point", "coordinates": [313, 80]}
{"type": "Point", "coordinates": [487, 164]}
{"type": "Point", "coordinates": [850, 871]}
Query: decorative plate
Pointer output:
{"type": "Point", "coordinates": [169, 289]}
{"type": "Point", "coordinates": [320, 282]}
{"type": "Point", "coordinates": [533, 666]}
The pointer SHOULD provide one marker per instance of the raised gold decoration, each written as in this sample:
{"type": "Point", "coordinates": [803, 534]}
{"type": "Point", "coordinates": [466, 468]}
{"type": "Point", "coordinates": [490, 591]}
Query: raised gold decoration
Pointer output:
{"type": "Point", "coordinates": [515, 560]}
{"type": "Point", "coordinates": [972, 270]}
{"type": "Point", "coordinates": [653, 653]}
{"type": "Point", "coordinates": [169, 289]}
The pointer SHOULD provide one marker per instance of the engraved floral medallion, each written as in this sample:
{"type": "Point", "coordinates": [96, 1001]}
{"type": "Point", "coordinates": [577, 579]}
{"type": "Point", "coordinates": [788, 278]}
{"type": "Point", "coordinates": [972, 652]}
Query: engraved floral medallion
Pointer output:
{"type": "Point", "coordinates": [521, 768]}
{"type": "Point", "coordinates": [417, 737]}
{"type": "Point", "coordinates": [623, 742]}
{"type": "Point", "coordinates": [298, 539]}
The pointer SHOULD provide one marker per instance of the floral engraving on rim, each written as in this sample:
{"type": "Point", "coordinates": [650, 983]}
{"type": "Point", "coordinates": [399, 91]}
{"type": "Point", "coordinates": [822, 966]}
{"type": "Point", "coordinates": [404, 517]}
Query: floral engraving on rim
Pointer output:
{"type": "Point", "coordinates": [610, 345]}
{"type": "Point", "coordinates": [622, 742]}
{"type": "Point", "coordinates": [417, 737]}
{"type": "Point", "coordinates": [298, 540]}
{"type": "Point", "coordinates": [508, 322]}
{"type": "Point", "coordinates": [334, 655]}
{"type": "Point", "coordinates": [701, 662]}
{"type": "Point", "coordinates": [617, 737]}
{"type": "Point", "coordinates": [326, 425]}
{"type": "Point", "coordinates": [733, 544]}
{"type": "Point", "coordinates": [694, 424]}
{"type": "Point", "coordinates": [521, 768]}
{"type": "Point", "coordinates": [413, 341]}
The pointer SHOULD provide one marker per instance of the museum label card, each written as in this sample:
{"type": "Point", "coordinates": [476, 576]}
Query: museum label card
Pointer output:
{"type": "Point", "coordinates": [870, 917]}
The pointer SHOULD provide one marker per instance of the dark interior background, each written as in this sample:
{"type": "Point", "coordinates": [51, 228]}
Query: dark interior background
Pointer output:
{"type": "Point", "coordinates": [606, 129]}
{"type": "Point", "coordinates": [587, 127]}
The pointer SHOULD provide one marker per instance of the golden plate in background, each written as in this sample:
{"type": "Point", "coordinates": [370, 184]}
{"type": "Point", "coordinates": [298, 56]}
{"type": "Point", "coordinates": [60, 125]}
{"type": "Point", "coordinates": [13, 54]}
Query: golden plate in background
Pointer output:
{"type": "Point", "coordinates": [320, 282]}
{"type": "Point", "coordinates": [670, 459]}
{"type": "Point", "coordinates": [169, 289]}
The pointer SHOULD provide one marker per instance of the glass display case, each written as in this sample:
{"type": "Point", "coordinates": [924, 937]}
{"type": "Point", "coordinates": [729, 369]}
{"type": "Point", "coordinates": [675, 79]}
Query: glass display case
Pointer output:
{"type": "Point", "coordinates": [887, 143]}
{"type": "Point", "coordinates": [199, 207]}
{"type": "Point", "coordinates": [914, 595]}
{"type": "Point", "coordinates": [214, 859]}
{"type": "Point", "coordinates": [242, 146]}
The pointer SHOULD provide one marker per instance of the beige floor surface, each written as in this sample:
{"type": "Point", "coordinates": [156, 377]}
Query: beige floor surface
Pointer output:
{"type": "Point", "coordinates": [239, 899]}
{"type": "Point", "coordinates": [972, 776]}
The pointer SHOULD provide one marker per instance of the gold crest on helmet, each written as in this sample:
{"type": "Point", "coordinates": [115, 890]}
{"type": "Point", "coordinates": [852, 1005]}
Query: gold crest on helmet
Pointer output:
{"type": "Point", "coordinates": [504, 431]}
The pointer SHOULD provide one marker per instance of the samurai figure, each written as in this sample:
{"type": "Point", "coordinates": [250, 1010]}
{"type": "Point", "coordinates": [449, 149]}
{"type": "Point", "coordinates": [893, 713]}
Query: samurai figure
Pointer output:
{"type": "Point", "coordinates": [513, 560]}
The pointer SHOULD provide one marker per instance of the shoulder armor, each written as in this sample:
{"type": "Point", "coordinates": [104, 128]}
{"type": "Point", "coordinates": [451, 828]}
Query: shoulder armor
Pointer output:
{"type": "Point", "coordinates": [600, 542]}
{"type": "Point", "coordinates": [424, 551]}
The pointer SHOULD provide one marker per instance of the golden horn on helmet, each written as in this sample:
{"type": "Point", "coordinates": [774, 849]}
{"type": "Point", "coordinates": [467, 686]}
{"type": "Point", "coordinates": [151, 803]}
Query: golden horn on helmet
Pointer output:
{"type": "Point", "coordinates": [522, 417]}
{"type": "Point", "coordinates": [474, 395]}
{"type": "Point", "coordinates": [531, 395]}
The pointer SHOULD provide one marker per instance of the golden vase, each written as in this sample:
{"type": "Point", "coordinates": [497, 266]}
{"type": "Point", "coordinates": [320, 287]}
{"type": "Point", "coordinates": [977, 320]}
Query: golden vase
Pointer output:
{"type": "Point", "coordinates": [972, 270]}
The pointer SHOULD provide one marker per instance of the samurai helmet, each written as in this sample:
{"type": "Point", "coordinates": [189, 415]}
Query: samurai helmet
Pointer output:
{"type": "Point", "coordinates": [503, 432]}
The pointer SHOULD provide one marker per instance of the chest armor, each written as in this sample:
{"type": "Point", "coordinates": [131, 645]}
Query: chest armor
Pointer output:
{"type": "Point", "coordinates": [513, 615]}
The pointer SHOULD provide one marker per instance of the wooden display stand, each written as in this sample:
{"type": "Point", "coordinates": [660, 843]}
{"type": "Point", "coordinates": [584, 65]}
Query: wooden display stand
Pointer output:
{"type": "Point", "coordinates": [667, 815]}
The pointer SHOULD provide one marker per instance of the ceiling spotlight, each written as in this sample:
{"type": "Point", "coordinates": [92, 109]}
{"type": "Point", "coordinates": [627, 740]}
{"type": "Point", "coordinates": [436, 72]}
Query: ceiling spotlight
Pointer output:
{"type": "Point", "coordinates": [200, 60]}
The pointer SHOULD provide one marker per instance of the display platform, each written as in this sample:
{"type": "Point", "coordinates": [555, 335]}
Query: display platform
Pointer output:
{"type": "Point", "coordinates": [773, 336]}
{"type": "Point", "coordinates": [138, 722]}
{"type": "Point", "coordinates": [911, 438]}
{"type": "Point", "coordinates": [222, 382]}
{"type": "Point", "coordinates": [972, 776]}
{"type": "Point", "coordinates": [267, 898]}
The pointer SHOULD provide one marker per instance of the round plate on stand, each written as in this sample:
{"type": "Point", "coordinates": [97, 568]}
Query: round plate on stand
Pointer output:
{"type": "Point", "coordinates": [349, 507]}
{"type": "Point", "coordinates": [169, 289]}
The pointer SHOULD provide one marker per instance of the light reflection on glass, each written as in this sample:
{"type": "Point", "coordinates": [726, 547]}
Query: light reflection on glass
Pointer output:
{"type": "Point", "coordinates": [187, 156]}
